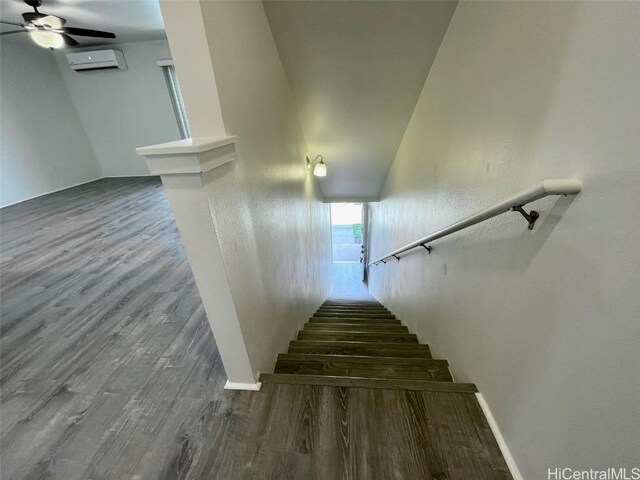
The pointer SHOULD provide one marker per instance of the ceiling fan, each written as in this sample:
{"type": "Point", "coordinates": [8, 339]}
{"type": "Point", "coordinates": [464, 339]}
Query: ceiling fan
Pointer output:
{"type": "Point", "coordinates": [49, 31]}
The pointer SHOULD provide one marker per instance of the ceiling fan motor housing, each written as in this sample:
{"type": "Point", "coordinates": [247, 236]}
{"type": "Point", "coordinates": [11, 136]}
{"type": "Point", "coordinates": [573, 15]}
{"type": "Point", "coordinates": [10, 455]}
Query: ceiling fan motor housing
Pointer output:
{"type": "Point", "coordinates": [33, 3]}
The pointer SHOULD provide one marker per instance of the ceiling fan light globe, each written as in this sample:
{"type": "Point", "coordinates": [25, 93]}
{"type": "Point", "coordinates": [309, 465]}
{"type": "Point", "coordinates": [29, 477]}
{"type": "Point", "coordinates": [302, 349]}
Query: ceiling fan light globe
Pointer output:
{"type": "Point", "coordinates": [50, 21]}
{"type": "Point", "coordinates": [47, 39]}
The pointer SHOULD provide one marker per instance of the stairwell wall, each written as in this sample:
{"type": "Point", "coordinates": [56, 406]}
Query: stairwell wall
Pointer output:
{"type": "Point", "coordinates": [274, 231]}
{"type": "Point", "coordinates": [544, 321]}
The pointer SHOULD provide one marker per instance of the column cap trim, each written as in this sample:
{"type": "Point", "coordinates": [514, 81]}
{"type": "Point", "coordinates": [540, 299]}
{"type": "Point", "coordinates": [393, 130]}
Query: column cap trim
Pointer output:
{"type": "Point", "coordinates": [187, 145]}
{"type": "Point", "coordinates": [189, 156]}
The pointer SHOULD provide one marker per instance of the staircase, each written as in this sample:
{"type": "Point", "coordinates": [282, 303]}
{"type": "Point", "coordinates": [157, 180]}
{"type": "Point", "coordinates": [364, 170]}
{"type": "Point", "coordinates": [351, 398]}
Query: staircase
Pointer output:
{"type": "Point", "coordinates": [358, 343]}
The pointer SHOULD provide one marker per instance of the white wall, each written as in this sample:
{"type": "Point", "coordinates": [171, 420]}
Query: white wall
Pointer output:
{"type": "Point", "coordinates": [273, 229]}
{"type": "Point", "coordinates": [44, 146]}
{"type": "Point", "coordinates": [124, 109]}
{"type": "Point", "coordinates": [545, 322]}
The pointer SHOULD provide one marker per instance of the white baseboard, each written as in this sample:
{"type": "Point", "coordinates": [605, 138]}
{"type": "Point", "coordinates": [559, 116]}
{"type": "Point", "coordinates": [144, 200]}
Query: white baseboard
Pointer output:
{"type": "Point", "coordinates": [52, 191]}
{"type": "Point", "coordinates": [128, 176]}
{"type": "Point", "coordinates": [76, 185]}
{"type": "Point", "coordinates": [242, 386]}
{"type": "Point", "coordinates": [506, 453]}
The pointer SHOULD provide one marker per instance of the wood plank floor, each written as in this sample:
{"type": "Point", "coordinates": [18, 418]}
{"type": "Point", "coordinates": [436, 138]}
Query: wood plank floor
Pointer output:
{"type": "Point", "coordinates": [109, 369]}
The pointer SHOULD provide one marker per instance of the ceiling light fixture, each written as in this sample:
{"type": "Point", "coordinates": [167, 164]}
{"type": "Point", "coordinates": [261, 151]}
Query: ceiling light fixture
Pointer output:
{"type": "Point", "coordinates": [319, 167]}
{"type": "Point", "coordinates": [47, 38]}
{"type": "Point", "coordinates": [49, 21]}
{"type": "Point", "coordinates": [49, 31]}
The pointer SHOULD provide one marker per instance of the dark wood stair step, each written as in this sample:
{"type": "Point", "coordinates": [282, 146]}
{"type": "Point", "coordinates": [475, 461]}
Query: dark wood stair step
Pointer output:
{"type": "Point", "coordinates": [358, 336]}
{"type": "Point", "coordinates": [353, 305]}
{"type": "Point", "coordinates": [355, 321]}
{"type": "Point", "coordinates": [407, 350]}
{"type": "Point", "coordinates": [352, 312]}
{"type": "Point", "coordinates": [349, 366]}
{"type": "Point", "coordinates": [364, 359]}
{"type": "Point", "coordinates": [347, 309]}
{"type": "Point", "coordinates": [355, 315]}
{"type": "Point", "coordinates": [348, 319]}
{"type": "Point", "coordinates": [342, 381]}
{"type": "Point", "coordinates": [361, 327]}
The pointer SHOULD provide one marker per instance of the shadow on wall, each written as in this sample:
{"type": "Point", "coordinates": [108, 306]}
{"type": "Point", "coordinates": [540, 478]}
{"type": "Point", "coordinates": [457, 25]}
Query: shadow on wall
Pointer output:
{"type": "Point", "coordinates": [489, 254]}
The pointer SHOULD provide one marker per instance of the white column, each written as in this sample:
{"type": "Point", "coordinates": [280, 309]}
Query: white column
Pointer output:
{"type": "Point", "coordinates": [181, 166]}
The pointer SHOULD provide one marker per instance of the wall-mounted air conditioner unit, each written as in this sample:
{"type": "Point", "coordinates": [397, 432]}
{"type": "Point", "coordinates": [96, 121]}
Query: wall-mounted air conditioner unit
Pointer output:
{"type": "Point", "coordinates": [97, 60]}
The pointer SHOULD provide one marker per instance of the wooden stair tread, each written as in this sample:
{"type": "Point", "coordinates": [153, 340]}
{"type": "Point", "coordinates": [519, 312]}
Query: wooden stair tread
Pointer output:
{"type": "Point", "coordinates": [361, 319]}
{"type": "Point", "coordinates": [349, 301]}
{"type": "Point", "coordinates": [356, 343]}
{"type": "Point", "coordinates": [361, 336]}
{"type": "Point", "coordinates": [344, 307]}
{"type": "Point", "coordinates": [352, 310]}
{"type": "Point", "coordinates": [353, 307]}
{"type": "Point", "coordinates": [399, 372]}
{"type": "Point", "coordinates": [362, 344]}
{"type": "Point", "coordinates": [363, 359]}
{"type": "Point", "coordinates": [355, 321]}
{"type": "Point", "coordinates": [360, 382]}
{"type": "Point", "coordinates": [355, 315]}
{"type": "Point", "coordinates": [367, 327]}
{"type": "Point", "coordinates": [349, 366]}
{"type": "Point", "coordinates": [359, 349]}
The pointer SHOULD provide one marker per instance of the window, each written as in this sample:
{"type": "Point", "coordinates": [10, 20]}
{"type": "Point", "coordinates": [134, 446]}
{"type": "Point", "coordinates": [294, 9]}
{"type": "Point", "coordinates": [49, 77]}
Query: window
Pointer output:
{"type": "Point", "coordinates": [169, 72]}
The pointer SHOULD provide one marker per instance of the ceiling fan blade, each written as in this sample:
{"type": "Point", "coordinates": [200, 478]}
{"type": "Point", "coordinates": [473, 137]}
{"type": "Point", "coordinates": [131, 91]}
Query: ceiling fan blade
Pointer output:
{"type": "Point", "coordinates": [13, 31]}
{"type": "Point", "coordinates": [68, 41]}
{"type": "Point", "coordinates": [12, 23]}
{"type": "Point", "coordinates": [84, 32]}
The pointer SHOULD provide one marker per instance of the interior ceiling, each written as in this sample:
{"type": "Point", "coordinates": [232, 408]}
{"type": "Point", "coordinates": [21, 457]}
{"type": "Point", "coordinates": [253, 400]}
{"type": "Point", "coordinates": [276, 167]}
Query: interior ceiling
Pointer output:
{"type": "Point", "coordinates": [130, 20]}
{"type": "Point", "coordinates": [356, 69]}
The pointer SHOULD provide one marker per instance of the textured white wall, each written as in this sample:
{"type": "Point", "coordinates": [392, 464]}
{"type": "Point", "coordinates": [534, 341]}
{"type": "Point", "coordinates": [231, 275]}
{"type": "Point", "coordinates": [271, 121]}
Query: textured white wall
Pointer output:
{"type": "Point", "coordinates": [44, 146]}
{"type": "Point", "coordinates": [545, 322]}
{"type": "Point", "coordinates": [273, 229]}
{"type": "Point", "coordinates": [124, 109]}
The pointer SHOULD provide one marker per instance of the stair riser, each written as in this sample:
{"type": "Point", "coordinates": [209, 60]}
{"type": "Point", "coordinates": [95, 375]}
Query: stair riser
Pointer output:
{"type": "Point", "coordinates": [354, 321]}
{"type": "Point", "coordinates": [431, 386]}
{"type": "Point", "coordinates": [362, 351]}
{"type": "Point", "coordinates": [358, 337]}
{"type": "Point", "coordinates": [345, 369]}
{"type": "Point", "coordinates": [352, 343]}
{"type": "Point", "coordinates": [346, 310]}
{"type": "Point", "coordinates": [364, 360]}
{"type": "Point", "coordinates": [314, 327]}
{"type": "Point", "coordinates": [352, 306]}
{"type": "Point", "coordinates": [354, 315]}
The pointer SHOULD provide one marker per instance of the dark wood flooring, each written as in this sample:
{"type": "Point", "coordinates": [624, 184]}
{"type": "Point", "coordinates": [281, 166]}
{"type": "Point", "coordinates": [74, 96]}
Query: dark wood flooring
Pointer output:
{"type": "Point", "coordinates": [109, 369]}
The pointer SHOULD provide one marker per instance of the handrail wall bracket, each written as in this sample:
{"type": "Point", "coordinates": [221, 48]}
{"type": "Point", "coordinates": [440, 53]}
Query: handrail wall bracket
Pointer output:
{"type": "Point", "coordinates": [530, 217]}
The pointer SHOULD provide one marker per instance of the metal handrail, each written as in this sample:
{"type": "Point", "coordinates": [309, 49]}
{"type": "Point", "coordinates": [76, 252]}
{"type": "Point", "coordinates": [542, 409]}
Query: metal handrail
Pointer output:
{"type": "Point", "coordinates": [568, 186]}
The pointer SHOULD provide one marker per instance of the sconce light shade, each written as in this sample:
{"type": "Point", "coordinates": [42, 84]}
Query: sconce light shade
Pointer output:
{"type": "Point", "coordinates": [320, 169]}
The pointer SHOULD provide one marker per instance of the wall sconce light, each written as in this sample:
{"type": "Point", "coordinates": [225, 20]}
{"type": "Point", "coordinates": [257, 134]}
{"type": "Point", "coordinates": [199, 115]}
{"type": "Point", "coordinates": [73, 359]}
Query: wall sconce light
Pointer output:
{"type": "Point", "coordinates": [319, 167]}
